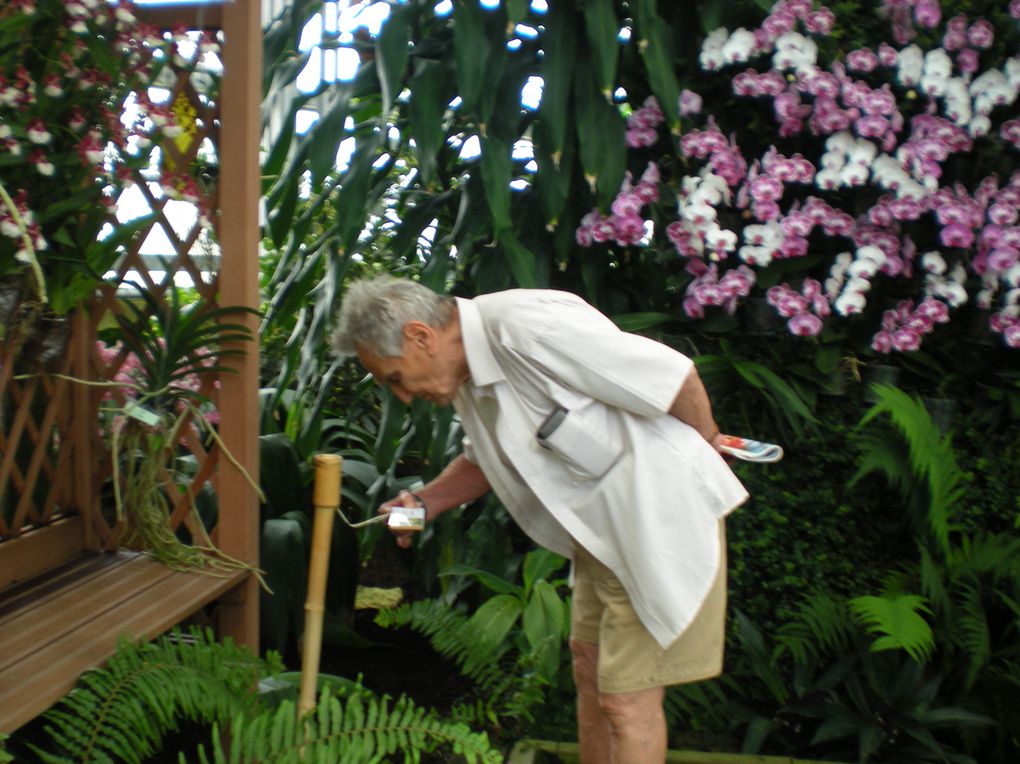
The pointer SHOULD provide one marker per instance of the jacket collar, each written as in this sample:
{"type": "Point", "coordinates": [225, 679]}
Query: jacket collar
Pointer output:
{"type": "Point", "coordinates": [482, 363]}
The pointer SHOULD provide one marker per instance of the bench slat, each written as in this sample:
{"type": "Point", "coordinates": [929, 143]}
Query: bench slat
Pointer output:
{"type": "Point", "coordinates": [93, 592]}
{"type": "Point", "coordinates": [138, 596]}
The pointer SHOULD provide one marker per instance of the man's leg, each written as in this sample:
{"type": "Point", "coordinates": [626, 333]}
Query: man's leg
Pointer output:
{"type": "Point", "coordinates": [592, 724]}
{"type": "Point", "coordinates": [637, 725]}
{"type": "Point", "coordinates": [616, 727]}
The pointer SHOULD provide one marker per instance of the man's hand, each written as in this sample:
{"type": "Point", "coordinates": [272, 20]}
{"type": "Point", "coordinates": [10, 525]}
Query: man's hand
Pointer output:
{"type": "Point", "coordinates": [716, 441]}
{"type": "Point", "coordinates": [403, 499]}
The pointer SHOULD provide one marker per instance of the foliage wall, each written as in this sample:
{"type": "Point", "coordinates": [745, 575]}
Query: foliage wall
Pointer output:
{"type": "Point", "coordinates": [683, 176]}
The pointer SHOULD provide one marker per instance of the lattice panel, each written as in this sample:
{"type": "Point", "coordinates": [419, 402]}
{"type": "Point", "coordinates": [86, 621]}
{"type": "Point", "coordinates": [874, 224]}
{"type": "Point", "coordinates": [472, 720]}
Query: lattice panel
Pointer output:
{"type": "Point", "coordinates": [48, 421]}
{"type": "Point", "coordinates": [34, 469]}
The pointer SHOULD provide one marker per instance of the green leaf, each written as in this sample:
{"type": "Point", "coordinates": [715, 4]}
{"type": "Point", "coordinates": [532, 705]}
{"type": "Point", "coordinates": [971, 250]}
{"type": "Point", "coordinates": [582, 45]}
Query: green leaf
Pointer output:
{"type": "Point", "coordinates": [543, 616]}
{"type": "Point", "coordinates": [898, 620]}
{"type": "Point", "coordinates": [391, 54]}
{"type": "Point", "coordinates": [516, 9]}
{"type": "Point", "coordinates": [553, 179]}
{"type": "Point", "coordinates": [496, 167]}
{"type": "Point", "coordinates": [603, 31]}
{"type": "Point", "coordinates": [954, 717]}
{"type": "Point", "coordinates": [351, 199]}
{"type": "Point", "coordinates": [713, 12]}
{"type": "Point", "coordinates": [282, 216]}
{"type": "Point", "coordinates": [539, 564]}
{"type": "Point", "coordinates": [426, 111]}
{"type": "Point", "coordinates": [325, 136]}
{"type": "Point", "coordinates": [638, 322]}
{"type": "Point", "coordinates": [472, 49]}
{"type": "Point", "coordinates": [600, 137]}
{"type": "Point", "coordinates": [521, 260]}
{"type": "Point", "coordinates": [494, 619]}
{"type": "Point", "coordinates": [283, 544]}
{"type": "Point", "coordinates": [272, 166]}
{"type": "Point", "coordinates": [486, 579]}
{"type": "Point", "coordinates": [413, 221]}
{"type": "Point", "coordinates": [280, 475]}
{"type": "Point", "coordinates": [655, 38]}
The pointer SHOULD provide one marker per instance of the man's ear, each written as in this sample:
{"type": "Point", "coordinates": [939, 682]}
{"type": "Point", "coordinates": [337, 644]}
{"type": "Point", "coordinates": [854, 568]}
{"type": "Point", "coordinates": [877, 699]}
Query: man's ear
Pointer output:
{"type": "Point", "coordinates": [420, 334]}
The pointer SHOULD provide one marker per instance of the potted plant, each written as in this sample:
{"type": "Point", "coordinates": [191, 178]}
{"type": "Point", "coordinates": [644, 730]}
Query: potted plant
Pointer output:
{"type": "Point", "coordinates": [160, 405]}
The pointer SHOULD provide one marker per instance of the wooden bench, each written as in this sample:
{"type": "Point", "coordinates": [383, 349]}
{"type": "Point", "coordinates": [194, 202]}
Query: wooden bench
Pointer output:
{"type": "Point", "coordinates": [58, 622]}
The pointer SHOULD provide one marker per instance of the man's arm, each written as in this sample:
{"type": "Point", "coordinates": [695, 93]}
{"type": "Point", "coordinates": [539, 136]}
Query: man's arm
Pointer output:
{"type": "Point", "coordinates": [461, 482]}
{"type": "Point", "coordinates": [693, 407]}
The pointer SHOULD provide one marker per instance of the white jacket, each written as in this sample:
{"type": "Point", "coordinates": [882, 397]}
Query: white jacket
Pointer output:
{"type": "Point", "coordinates": [652, 515]}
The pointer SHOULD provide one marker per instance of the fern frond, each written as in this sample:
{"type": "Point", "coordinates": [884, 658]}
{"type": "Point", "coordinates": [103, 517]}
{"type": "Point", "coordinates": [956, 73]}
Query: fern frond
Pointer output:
{"type": "Point", "coordinates": [356, 728]}
{"type": "Point", "coordinates": [763, 662]}
{"type": "Point", "coordinates": [898, 621]}
{"type": "Point", "coordinates": [933, 581]}
{"type": "Point", "coordinates": [821, 625]}
{"type": "Point", "coordinates": [450, 634]}
{"type": "Point", "coordinates": [974, 634]}
{"type": "Point", "coordinates": [5, 757]}
{"type": "Point", "coordinates": [507, 685]}
{"type": "Point", "coordinates": [993, 556]}
{"type": "Point", "coordinates": [932, 459]}
{"type": "Point", "coordinates": [122, 711]}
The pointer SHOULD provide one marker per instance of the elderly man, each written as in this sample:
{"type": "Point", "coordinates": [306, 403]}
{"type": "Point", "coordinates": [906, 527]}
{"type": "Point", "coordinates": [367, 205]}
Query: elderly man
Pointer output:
{"type": "Point", "coordinates": [599, 444]}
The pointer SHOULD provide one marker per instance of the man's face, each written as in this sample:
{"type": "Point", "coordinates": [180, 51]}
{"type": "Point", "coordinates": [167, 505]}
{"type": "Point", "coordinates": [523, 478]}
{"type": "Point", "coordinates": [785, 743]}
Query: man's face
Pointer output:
{"type": "Point", "coordinates": [421, 371]}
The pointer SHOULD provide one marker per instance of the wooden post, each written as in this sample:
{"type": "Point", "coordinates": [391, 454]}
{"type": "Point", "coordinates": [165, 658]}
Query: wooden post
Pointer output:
{"type": "Point", "coordinates": [328, 469]}
{"type": "Point", "coordinates": [81, 492]}
{"type": "Point", "coordinates": [237, 531]}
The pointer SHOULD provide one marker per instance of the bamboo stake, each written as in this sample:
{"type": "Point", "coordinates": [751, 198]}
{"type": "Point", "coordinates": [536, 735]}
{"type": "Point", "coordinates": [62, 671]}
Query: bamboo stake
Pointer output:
{"type": "Point", "coordinates": [328, 468]}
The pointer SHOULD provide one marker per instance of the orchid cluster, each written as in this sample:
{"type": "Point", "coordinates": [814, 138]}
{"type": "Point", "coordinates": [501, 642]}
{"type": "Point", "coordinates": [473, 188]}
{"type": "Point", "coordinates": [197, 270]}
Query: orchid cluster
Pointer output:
{"type": "Point", "coordinates": [898, 196]}
{"type": "Point", "coordinates": [76, 124]}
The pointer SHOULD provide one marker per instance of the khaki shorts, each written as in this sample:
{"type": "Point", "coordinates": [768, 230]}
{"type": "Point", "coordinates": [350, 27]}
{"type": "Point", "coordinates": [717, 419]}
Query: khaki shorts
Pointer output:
{"type": "Point", "coordinates": [630, 658]}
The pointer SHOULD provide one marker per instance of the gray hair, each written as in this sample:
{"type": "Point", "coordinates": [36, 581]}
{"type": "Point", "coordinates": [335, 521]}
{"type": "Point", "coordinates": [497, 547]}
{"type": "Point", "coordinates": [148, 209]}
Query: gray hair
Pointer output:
{"type": "Point", "coordinates": [373, 312]}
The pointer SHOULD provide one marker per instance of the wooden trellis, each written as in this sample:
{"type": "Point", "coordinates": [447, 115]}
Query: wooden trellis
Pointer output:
{"type": "Point", "coordinates": [59, 542]}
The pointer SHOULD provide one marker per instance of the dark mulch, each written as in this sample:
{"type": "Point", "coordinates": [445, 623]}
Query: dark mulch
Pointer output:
{"type": "Point", "coordinates": [402, 661]}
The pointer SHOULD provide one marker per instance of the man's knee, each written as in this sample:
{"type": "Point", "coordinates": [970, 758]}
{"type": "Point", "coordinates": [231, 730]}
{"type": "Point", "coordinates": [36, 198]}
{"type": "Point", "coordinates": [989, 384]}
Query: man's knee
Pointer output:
{"type": "Point", "coordinates": [633, 709]}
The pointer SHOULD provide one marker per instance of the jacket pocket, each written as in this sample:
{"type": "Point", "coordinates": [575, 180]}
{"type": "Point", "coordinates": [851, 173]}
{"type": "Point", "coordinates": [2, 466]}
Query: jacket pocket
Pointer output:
{"type": "Point", "coordinates": [580, 443]}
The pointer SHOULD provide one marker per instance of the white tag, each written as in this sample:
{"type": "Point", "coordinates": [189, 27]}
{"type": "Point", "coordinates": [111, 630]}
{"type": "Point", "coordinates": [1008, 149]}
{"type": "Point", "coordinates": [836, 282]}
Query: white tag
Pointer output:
{"type": "Point", "coordinates": [143, 415]}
